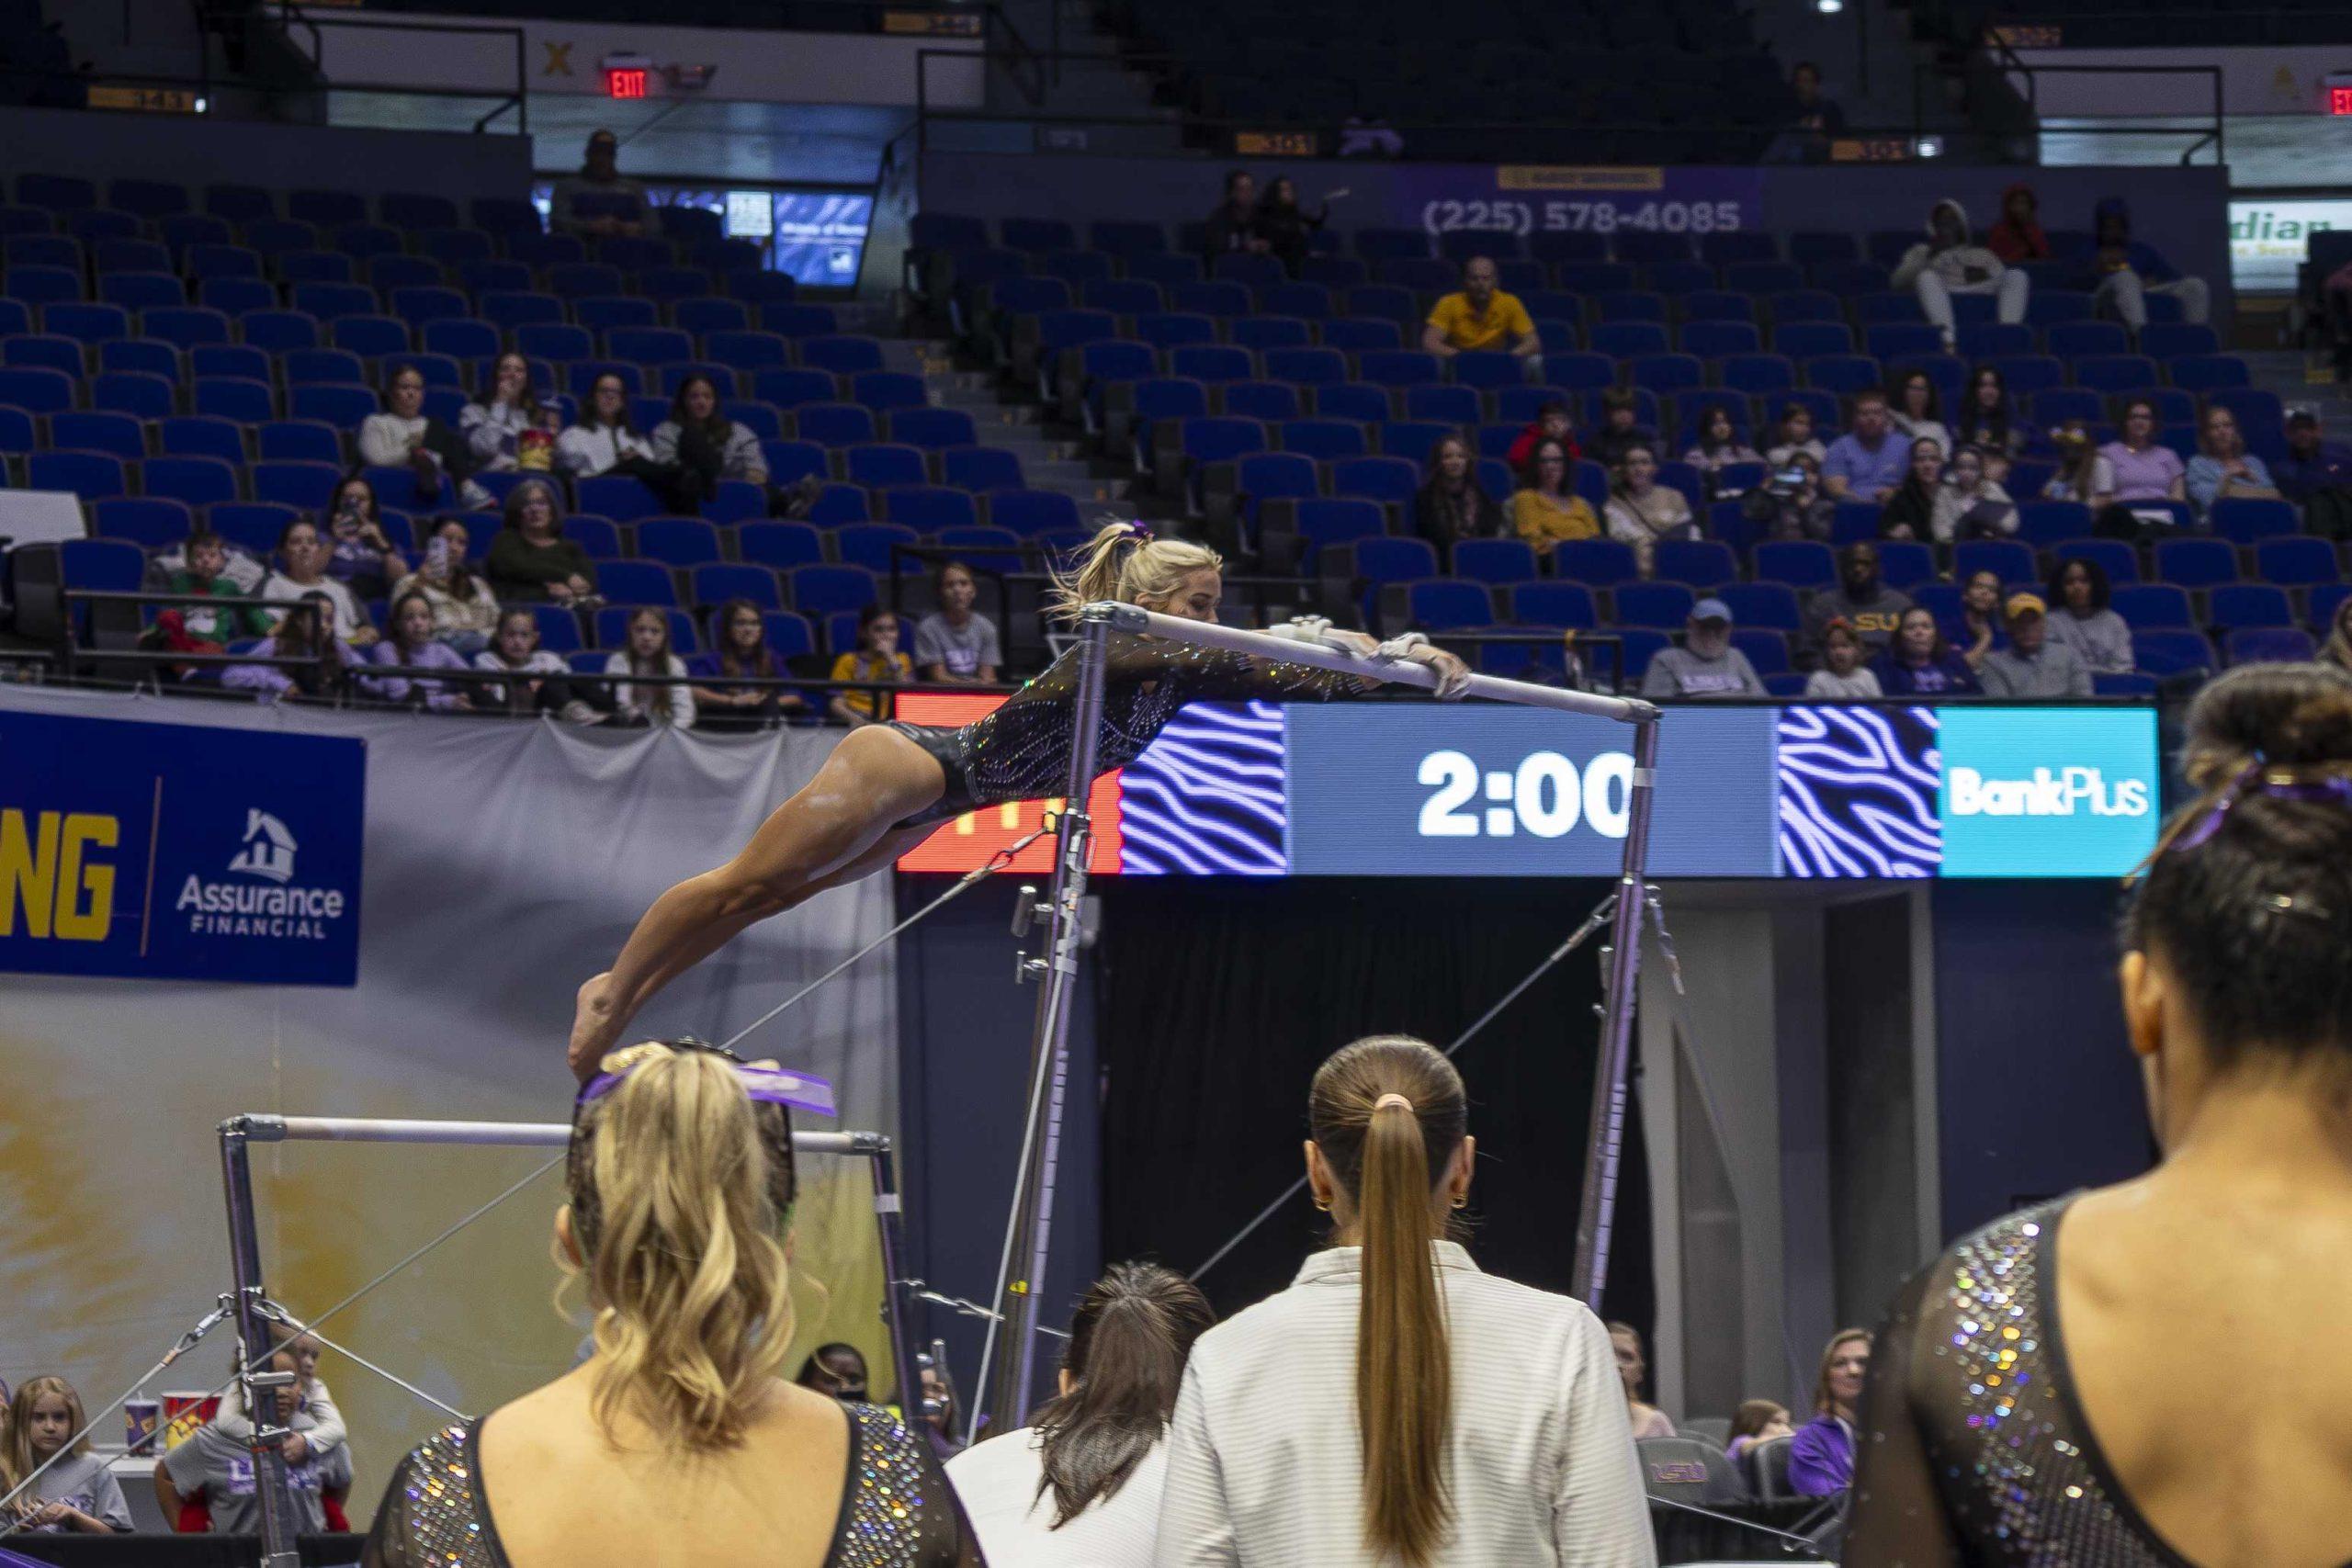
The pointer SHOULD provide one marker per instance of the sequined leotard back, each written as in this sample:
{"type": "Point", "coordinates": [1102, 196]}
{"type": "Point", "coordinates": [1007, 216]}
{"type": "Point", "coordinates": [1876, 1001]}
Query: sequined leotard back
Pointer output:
{"type": "Point", "coordinates": [897, 1509]}
{"type": "Point", "coordinates": [1021, 751]}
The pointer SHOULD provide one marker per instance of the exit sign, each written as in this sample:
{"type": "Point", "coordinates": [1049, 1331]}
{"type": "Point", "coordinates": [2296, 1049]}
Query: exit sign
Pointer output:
{"type": "Point", "coordinates": [2339, 93]}
{"type": "Point", "coordinates": [628, 82]}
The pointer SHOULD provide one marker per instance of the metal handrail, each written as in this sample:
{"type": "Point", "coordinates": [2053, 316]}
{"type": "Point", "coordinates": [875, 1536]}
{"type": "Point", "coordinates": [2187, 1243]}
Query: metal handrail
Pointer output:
{"type": "Point", "coordinates": [520, 101]}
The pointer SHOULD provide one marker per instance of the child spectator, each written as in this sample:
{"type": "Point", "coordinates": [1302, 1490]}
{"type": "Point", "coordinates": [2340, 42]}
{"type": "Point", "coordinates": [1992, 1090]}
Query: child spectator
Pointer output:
{"type": "Point", "coordinates": [1544, 510]}
{"type": "Point", "coordinates": [78, 1493]}
{"type": "Point", "coordinates": [1795, 434]}
{"type": "Point", "coordinates": [742, 653]}
{"type": "Point", "coordinates": [1910, 512]}
{"type": "Point", "coordinates": [1757, 1420]}
{"type": "Point", "coordinates": [956, 645]}
{"type": "Point", "coordinates": [1980, 629]}
{"type": "Point", "coordinates": [302, 561]}
{"type": "Point", "coordinates": [326, 1431]}
{"type": "Point", "coordinates": [2223, 469]}
{"type": "Point", "coordinates": [531, 560]}
{"type": "Point", "coordinates": [704, 443]}
{"type": "Point", "coordinates": [1450, 506]}
{"type": "Point", "coordinates": [1718, 446]}
{"type": "Point", "coordinates": [403, 433]}
{"type": "Point", "coordinates": [362, 555]}
{"type": "Point", "coordinates": [2015, 236]}
{"type": "Point", "coordinates": [1869, 462]}
{"type": "Point", "coordinates": [1706, 665]}
{"type": "Point", "coordinates": [599, 201]}
{"type": "Point", "coordinates": [1918, 412]}
{"type": "Point", "coordinates": [414, 646]}
{"type": "Point", "coordinates": [509, 427]}
{"type": "Point", "coordinates": [649, 653]}
{"type": "Point", "coordinates": [1969, 505]}
{"type": "Point", "coordinates": [2084, 473]}
{"type": "Point", "coordinates": [603, 440]}
{"type": "Point", "coordinates": [211, 1465]}
{"type": "Point", "coordinates": [465, 612]}
{"type": "Point", "coordinates": [303, 633]}
{"type": "Point", "coordinates": [2079, 617]}
{"type": "Point", "coordinates": [1552, 422]}
{"type": "Point", "coordinates": [878, 659]}
{"type": "Point", "coordinates": [1946, 263]}
{"type": "Point", "coordinates": [1919, 663]}
{"type": "Point", "coordinates": [1789, 504]}
{"type": "Point", "coordinates": [2122, 273]}
{"type": "Point", "coordinates": [1985, 423]}
{"type": "Point", "coordinates": [1621, 427]}
{"type": "Point", "coordinates": [202, 629]}
{"type": "Point", "coordinates": [1641, 511]}
{"type": "Point", "coordinates": [516, 650]}
{"type": "Point", "coordinates": [1843, 677]}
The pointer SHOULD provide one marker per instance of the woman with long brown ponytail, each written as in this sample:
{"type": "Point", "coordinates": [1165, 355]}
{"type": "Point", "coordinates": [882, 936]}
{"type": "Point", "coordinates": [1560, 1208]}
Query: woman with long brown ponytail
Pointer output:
{"type": "Point", "coordinates": [1397, 1405]}
{"type": "Point", "coordinates": [676, 1441]}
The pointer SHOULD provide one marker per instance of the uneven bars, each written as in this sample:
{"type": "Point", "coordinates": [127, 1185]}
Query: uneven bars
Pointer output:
{"type": "Point", "coordinates": [266, 1129]}
{"type": "Point", "coordinates": [1346, 661]}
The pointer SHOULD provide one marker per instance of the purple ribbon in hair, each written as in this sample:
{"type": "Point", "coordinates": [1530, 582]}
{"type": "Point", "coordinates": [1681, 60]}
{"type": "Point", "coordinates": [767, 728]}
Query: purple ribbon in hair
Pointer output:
{"type": "Point", "coordinates": [765, 1085]}
{"type": "Point", "coordinates": [2256, 776]}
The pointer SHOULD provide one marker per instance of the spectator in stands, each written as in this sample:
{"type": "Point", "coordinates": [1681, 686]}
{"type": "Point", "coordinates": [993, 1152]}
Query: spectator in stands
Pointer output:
{"type": "Point", "coordinates": [603, 440]}
{"type": "Point", "coordinates": [878, 659]}
{"type": "Point", "coordinates": [1544, 510]}
{"type": "Point", "coordinates": [1081, 1483]}
{"type": "Point", "coordinates": [1821, 1459]}
{"type": "Point", "coordinates": [1232, 226]}
{"type": "Point", "coordinates": [2122, 273]}
{"type": "Point", "coordinates": [648, 654]}
{"type": "Point", "coordinates": [311, 1398]}
{"type": "Point", "coordinates": [218, 1469]}
{"type": "Point", "coordinates": [1641, 511]}
{"type": "Point", "coordinates": [515, 651]}
{"type": "Point", "coordinates": [1910, 512]}
{"type": "Point", "coordinates": [1790, 503]}
{"type": "Point", "coordinates": [303, 570]}
{"type": "Point", "coordinates": [1946, 263]}
{"type": "Point", "coordinates": [1918, 662]}
{"type": "Point", "coordinates": [1980, 629]}
{"type": "Point", "coordinates": [1450, 506]}
{"type": "Point", "coordinates": [600, 201]}
{"type": "Point", "coordinates": [2084, 474]}
{"type": "Point", "coordinates": [1287, 228]}
{"type": "Point", "coordinates": [1969, 504]}
{"type": "Point", "coordinates": [2144, 467]}
{"type": "Point", "coordinates": [2311, 467]}
{"type": "Point", "coordinates": [2337, 649]}
{"type": "Point", "coordinates": [530, 560]}
{"type": "Point", "coordinates": [1706, 665]}
{"type": "Point", "coordinates": [403, 433]}
{"type": "Point", "coordinates": [1987, 422]}
{"type": "Point", "coordinates": [2032, 667]}
{"type": "Point", "coordinates": [1717, 446]}
{"type": "Point", "coordinates": [412, 645]}
{"type": "Point", "coordinates": [78, 1493]}
{"type": "Point", "coordinates": [2082, 620]}
{"type": "Point", "coordinates": [837, 1371]}
{"type": "Point", "coordinates": [1815, 120]}
{"type": "Point", "coordinates": [1481, 318]}
{"type": "Point", "coordinates": [303, 635]}
{"type": "Point", "coordinates": [1918, 411]}
{"type": "Point", "coordinates": [202, 628]}
{"type": "Point", "coordinates": [1625, 1340]}
{"type": "Point", "coordinates": [1867, 463]}
{"type": "Point", "coordinates": [1795, 434]}
{"type": "Point", "coordinates": [1860, 599]}
{"type": "Point", "coordinates": [510, 427]}
{"type": "Point", "coordinates": [1620, 426]}
{"type": "Point", "coordinates": [1843, 677]}
{"type": "Point", "coordinates": [1552, 420]}
{"type": "Point", "coordinates": [2015, 236]}
{"type": "Point", "coordinates": [363, 557]}
{"type": "Point", "coordinates": [2223, 469]}
{"type": "Point", "coordinates": [1381, 1409]}
{"type": "Point", "coordinates": [742, 653]}
{"type": "Point", "coordinates": [956, 645]}
{"type": "Point", "coordinates": [1759, 1420]}
{"type": "Point", "coordinates": [706, 444]}
{"type": "Point", "coordinates": [465, 612]}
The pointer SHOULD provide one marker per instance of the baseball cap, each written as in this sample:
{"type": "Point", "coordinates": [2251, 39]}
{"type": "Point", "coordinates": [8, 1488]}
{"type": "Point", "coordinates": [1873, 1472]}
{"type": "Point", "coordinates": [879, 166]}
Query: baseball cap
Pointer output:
{"type": "Point", "coordinates": [2025, 604]}
{"type": "Point", "coordinates": [2303, 416]}
{"type": "Point", "coordinates": [1711, 610]}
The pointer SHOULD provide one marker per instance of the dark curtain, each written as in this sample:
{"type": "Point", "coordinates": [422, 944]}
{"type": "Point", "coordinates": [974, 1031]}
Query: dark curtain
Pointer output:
{"type": "Point", "coordinates": [1220, 996]}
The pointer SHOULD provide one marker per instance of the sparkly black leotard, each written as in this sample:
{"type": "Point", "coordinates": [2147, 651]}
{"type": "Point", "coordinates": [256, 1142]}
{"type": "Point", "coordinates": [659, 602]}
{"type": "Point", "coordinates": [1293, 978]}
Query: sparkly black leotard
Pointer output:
{"type": "Point", "coordinates": [1021, 751]}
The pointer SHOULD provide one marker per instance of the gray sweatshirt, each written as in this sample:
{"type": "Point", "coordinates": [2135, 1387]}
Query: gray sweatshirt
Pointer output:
{"type": "Point", "coordinates": [2055, 671]}
{"type": "Point", "coordinates": [1874, 619]}
{"type": "Point", "coordinates": [1678, 673]}
{"type": "Point", "coordinates": [2101, 639]}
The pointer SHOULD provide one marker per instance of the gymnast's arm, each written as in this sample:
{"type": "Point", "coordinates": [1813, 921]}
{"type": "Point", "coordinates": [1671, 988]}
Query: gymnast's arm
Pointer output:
{"type": "Point", "coordinates": [1220, 675]}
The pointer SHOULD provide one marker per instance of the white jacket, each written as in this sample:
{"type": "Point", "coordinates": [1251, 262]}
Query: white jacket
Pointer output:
{"type": "Point", "coordinates": [1964, 266]}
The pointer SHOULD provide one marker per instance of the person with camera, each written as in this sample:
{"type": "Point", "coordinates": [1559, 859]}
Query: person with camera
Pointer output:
{"type": "Point", "coordinates": [362, 556]}
{"type": "Point", "coordinates": [1790, 503]}
{"type": "Point", "coordinates": [1948, 262]}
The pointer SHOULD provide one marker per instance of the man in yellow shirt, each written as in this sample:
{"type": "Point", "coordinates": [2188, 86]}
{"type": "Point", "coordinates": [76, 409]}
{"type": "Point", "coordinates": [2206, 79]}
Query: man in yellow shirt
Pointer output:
{"type": "Point", "coordinates": [1482, 318]}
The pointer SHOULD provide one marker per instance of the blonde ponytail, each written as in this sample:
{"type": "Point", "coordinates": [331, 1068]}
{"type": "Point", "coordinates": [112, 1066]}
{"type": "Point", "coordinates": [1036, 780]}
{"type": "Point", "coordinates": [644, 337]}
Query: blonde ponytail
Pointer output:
{"type": "Point", "coordinates": [680, 1186]}
{"type": "Point", "coordinates": [1388, 1114]}
{"type": "Point", "coordinates": [1124, 563]}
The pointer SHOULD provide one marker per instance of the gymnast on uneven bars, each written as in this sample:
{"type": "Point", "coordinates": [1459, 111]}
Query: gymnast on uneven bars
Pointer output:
{"type": "Point", "coordinates": [888, 786]}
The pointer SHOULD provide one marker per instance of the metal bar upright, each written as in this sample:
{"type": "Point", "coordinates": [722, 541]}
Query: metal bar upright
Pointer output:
{"type": "Point", "coordinates": [278, 1530]}
{"type": "Point", "coordinates": [1021, 1269]}
{"type": "Point", "coordinates": [1604, 1139]}
{"type": "Point", "coordinates": [888, 1221]}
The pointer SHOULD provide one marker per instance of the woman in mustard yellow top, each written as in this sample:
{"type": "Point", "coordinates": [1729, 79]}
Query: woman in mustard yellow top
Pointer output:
{"type": "Point", "coordinates": [1547, 511]}
{"type": "Point", "coordinates": [878, 659]}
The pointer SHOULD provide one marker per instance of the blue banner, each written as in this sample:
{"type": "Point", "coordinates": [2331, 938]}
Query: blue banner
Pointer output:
{"type": "Point", "coordinates": [1526, 199]}
{"type": "Point", "coordinates": [176, 852]}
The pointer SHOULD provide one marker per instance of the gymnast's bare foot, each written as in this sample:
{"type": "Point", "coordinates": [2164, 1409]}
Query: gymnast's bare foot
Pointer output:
{"type": "Point", "coordinates": [593, 1028]}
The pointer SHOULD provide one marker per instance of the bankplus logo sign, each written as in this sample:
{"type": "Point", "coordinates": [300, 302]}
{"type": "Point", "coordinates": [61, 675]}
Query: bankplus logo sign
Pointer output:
{"type": "Point", "coordinates": [2047, 791]}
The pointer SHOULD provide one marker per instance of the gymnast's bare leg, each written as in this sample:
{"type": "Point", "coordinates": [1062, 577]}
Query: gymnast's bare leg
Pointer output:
{"type": "Point", "coordinates": [840, 827]}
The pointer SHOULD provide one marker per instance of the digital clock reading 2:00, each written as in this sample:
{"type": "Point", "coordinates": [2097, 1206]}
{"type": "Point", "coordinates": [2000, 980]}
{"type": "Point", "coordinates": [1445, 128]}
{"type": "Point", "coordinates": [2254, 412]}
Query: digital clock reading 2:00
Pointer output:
{"type": "Point", "coordinates": [1545, 796]}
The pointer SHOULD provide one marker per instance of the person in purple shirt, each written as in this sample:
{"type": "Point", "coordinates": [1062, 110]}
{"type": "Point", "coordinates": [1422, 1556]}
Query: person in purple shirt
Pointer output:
{"type": "Point", "coordinates": [1867, 463]}
{"type": "Point", "coordinates": [2313, 463]}
{"type": "Point", "coordinates": [1919, 662]}
{"type": "Point", "coordinates": [413, 645]}
{"type": "Point", "coordinates": [1821, 1456]}
{"type": "Point", "coordinates": [2145, 469]}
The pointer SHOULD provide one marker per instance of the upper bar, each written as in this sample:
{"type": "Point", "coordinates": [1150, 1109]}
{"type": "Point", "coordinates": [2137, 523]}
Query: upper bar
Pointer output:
{"type": "Point", "coordinates": [1205, 634]}
{"type": "Point", "coordinates": [266, 1129]}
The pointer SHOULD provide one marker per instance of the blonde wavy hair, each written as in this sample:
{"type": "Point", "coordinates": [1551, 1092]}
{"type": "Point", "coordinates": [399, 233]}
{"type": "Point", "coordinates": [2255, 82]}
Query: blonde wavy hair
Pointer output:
{"type": "Point", "coordinates": [681, 1186]}
{"type": "Point", "coordinates": [1123, 562]}
{"type": "Point", "coordinates": [18, 1462]}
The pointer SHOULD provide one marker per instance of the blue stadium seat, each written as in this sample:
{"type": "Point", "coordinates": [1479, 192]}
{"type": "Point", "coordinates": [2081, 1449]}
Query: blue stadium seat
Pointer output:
{"type": "Point", "coordinates": [2296, 562]}
{"type": "Point", "coordinates": [877, 465]}
{"type": "Point", "coordinates": [198, 481]}
{"type": "Point", "coordinates": [1412, 440]}
{"type": "Point", "coordinates": [869, 544]}
{"type": "Point", "coordinates": [843, 355]}
{"type": "Point", "coordinates": [1031, 512]}
{"type": "Point", "coordinates": [2005, 558]}
{"type": "Point", "coordinates": [1269, 403]}
{"type": "Point", "coordinates": [1844, 374]}
{"type": "Point", "coordinates": [789, 388]}
{"type": "Point", "coordinates": [1212, 362]}
{"type": "Point", "coordinates": [736, 500]}
{"type": "Point", "coordinates": [1700, 563]}
{"type": "Point", "coordinates": [293, 441]}
{"type": "Point", "coordinates": [1799, 563]}
{"type": "Point", "coordinates": [2173, 339]}
{"type": "Point", "coordinates": [1258, 334]}
{"type": "Point", "coordinates": [2115, 556]}
{"type": "Point", "coordinates": [2154, 607]}
{"type": "Point", "coordinates": [678, 541]}
{"type": "Point", "coordinates": [1360, 334]}
{"type": "Point", "coordinates": [1450, 603]}
{"type": "Point", "coordinates": [2053, 307]}
{"type": "Point", "coordinates": [718, 582]}
{"type": "Point", "coordinates": [789, 320]}
{"type": "Point", "coordinates": [931, 509]}
{"type": "Point", "coordinates": [152, 523]}
{"type": "Point", "coordinates": [932, 428]}
{"type": "Point", "coordinates": [1324, 521]}
{"type": "Point", "coordinates": [370, 337]}
{"type": "Point", "coordinates": [2235, 605]}
{"type": "Point", "coordinates": [1668, 373]}
{"type": "Point", "coordinates": [833, 424]}
{"type": "Point", "coordinates": [2086, 339]}
{"type": "Point", "coordinates": [2168, 652]}
{"type": "Point", "coordinates": [1596, 563]}
{"type": "Point", "coordinates": [2115, 373]}
{"type": "Point", "coordinates": [1910, 564]}
{"type": "Point", "coordinates": [781, 546]}
{"type": "Point", "coordinates": [2245, 520]}
{"type": "Point", "coordinates": [1324, 440]}
{"type": "Point", "coordinates": [791, 461]}
{"type": "Point", "coordinates": [1441, 402]}
{"type": "Point", "coordinates": [1626, 340]}
{"type": "Point", "coordinates": [1499, 561]}
{"type": "Point", "coordinates": [342, 405]}
{"type": "Point", "coordinates": [1354, 401]}
{"type": "Point", "coordinates": [635, 583]}
{"type": "Point", "coordinates": [1390, 478]}
{"type": "Point", "coordinates": [307, 486]}
{"type": "Point", "coordinates": [618, 497]}
{"type": "Point", "coordinates": [1812, 339]}
{"type": "Point", "coordinates": [2196, 562]}
{"type": "Point", "coordinates": [92, 476]}
{"type": "Point", "coordinates": [826, 589]}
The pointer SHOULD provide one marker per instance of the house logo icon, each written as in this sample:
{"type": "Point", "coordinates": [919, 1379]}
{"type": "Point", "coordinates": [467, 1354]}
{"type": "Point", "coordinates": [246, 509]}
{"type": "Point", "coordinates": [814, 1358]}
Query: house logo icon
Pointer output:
{"type": "Point", "coordinates": [269, 848]}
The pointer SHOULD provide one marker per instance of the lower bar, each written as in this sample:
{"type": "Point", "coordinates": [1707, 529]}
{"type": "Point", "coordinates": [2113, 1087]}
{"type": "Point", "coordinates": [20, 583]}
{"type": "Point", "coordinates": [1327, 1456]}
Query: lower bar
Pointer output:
{"type": "Point", "coordinates": [266, 1129]}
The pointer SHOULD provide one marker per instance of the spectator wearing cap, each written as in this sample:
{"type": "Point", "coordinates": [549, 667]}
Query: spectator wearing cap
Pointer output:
{"type": "Point", "coordinates": [1870, 462]}
{"type": "Point", "coordinates": [2032, 667]}
{"type": "Point", "coordinates": [1861, 599]}
{"type": "Point", "coordinates": [1480, 316]}
{"type": "Point", "coordinates": [1843, 677]}
{"type": "Point", "coordinates": [1707, 665]}
{"type": "Point", "coordinates": [600, 200]}
{"type": "Point", "coordinates": [2315, 467]}
{"type": "Point", "coordinates": [2122, 273]}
